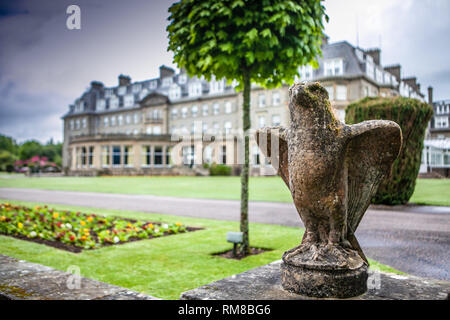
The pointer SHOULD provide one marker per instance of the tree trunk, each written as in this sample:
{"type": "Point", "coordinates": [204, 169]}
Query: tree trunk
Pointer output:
{"type": "Point", "coordinates": [245, 248]}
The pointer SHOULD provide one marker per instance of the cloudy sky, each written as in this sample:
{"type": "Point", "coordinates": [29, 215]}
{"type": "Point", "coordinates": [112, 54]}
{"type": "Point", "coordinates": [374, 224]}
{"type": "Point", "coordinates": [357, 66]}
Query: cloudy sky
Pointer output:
{"type": "Point", "coordinates": [44, 66]}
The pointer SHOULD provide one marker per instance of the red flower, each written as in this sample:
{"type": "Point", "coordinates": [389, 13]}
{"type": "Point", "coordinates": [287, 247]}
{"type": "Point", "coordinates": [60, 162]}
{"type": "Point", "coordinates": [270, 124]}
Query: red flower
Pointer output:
{"type": "Point", "coordinates": [72, 238]}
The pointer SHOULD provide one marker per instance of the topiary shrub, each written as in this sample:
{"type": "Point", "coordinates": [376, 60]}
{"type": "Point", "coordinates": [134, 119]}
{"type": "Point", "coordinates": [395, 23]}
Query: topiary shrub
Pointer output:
{"type": "Point", "coordinates": [219, 170]}
{"type": "Point", "coordinates": [412, 116]}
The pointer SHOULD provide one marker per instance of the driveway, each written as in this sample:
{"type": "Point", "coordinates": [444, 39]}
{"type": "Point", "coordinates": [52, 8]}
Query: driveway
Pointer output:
{"type": "Point", "coordinates": [412, 239]}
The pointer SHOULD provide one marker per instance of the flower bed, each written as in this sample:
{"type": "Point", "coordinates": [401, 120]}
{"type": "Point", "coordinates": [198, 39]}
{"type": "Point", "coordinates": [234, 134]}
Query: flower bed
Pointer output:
{"type": "Point", "coordinates": [75, 231]}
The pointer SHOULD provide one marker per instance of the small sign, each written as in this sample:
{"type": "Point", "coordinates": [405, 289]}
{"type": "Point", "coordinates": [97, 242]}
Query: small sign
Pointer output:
{"type": "Point", "coordinates": [235, 237]}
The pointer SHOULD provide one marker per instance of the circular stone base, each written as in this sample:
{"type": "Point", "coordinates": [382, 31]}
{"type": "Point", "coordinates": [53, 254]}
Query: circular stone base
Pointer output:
{"type": "Point", "coordinates": [324, 283]}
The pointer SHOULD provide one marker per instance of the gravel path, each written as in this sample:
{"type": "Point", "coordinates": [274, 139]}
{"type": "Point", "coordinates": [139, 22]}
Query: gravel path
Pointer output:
{"type": "Point", "coordinates": [412, 239]}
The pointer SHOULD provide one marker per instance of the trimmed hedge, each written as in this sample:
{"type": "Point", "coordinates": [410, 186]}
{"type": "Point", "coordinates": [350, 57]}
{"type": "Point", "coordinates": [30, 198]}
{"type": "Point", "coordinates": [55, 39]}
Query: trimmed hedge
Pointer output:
{"type": "Point", "coordinates": [412, 116]}
{"type": "Point", "coordinates": [219, 170]}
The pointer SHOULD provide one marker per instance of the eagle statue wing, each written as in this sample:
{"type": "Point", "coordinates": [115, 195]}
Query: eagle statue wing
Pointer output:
{"type": "Point", "coordinates": [373, 147]}
{"type": "Point", "coordinates": [275, 137]}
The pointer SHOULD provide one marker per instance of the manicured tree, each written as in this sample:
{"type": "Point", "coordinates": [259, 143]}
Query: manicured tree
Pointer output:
{"type": "Point", "coordinates": [412, 116]}
{"type": "Point", "coordinates": [250, 41]}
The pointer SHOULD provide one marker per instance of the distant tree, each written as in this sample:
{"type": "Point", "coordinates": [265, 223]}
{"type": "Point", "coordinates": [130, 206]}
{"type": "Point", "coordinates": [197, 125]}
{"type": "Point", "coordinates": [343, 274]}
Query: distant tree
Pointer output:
{"type": "Point", "coordinates": [30, 149]}
{"type": "Point", "coordinates": [259, 41]}
{"type": "Point", "coordinates": [6, 160]}
{"type": "Point", "coordinates": [8, 144]}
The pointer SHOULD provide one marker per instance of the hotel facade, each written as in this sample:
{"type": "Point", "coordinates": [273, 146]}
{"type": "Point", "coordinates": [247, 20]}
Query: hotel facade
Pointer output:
{"type": "Point", "coordinates": [173, 124]}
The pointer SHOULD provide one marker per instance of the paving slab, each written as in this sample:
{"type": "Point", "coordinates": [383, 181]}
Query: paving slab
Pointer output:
{"type": "Point", "coordinates": [22, 280]}
{"type": "Point", "coordinates": [264, 283]}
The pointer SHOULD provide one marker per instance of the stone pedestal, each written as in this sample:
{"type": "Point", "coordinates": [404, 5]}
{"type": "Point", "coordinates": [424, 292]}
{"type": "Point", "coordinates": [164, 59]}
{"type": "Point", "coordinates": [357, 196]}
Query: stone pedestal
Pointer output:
{"type": "Point", "coordinates": [324, 283]}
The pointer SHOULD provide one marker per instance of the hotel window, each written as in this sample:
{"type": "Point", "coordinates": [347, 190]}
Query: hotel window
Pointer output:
{"type": "Point", "coordinates": [261, 100]}
{"type": "Point", "coordinates": [215, 127]}
{"type": "Point", "coordinates": [128, 156]}
{"type": "Point", "coordinates": [83, 157]}
{"type": "Point", "coordinates": [261, 121]}
{"type": "Point", "coordinates": [116, 156]}
{"type": "Point", "coordinates": [204, 127]}
{"type": "Point", "coordinates": [158, 156]}
{"type": "Point", "coordinates": [227, 127]}
{"type": "Point", "coordinates": [153, 84]}
{"type": "Point", "coordinates": [174, 92]}
{"type": "Point", "coordinates": [84, 123]}
{"type": "Point", "coordinates": [108, 93]}
{"type": "Point", "coordinates": [441, 122]}
{"type": "Point", "coordinates": [228, 107]}
{"type": "Point", "coordinates": [205, 110]}
{"type": "Point", "coordinates": [184, 112]}
{"type": "Point", "coordinates": [224, 154]}
{"type": "Point", "coordinates": [157, 130]}
{"type": "Point", "coordinates": [114, 102]}
{"type": "Point", "coordinates": [129, 100]}
{"type": "Point", "coordinates": [275, 98]}
{"type": "Point", "coordinates": [136, 117]}
{"type": "Point", "coordinates": [101, 104]}
{"type": "Point", "coordinates": [306, 72]}
{"type": "Point", "coordinates": [122, 90]}
{"type": "Point", "coordinates": [217, 86]}
{"type": "Point", "coordinates": [167, 82]}
{"type": "Point", "coordinates": [77, 124]}
{"type": "Point", "coordinates": [105, 156]}
{"type": "Point", "coordinates": [146, 156]}
{"type": "Point", "coordinates": [148, 130]}
{"type": "Point", "coordinates": [136, 88]}
{"type": "Point", "coordinates": [143, 94]}
{"type": "Point", "coordinates": [334, 67]}
{"type": "Point", "coordinates": [276, 120]}
{"type": "Point", "coordinates": [128, 119]}
{"type": "Point", "coordinates": [113, 121]}
{"type": "Point", "coordinates": [195, 89]}
{"type": "Point", "coordinates": [168, 156]}
{"type": "Point", "coordinates": [194, 111]}
{"type": "Point", "coordinates": [91, 156]}
{"type": "Point", "coordinates": [188, 155]}
{"type": "Point", "coordinates": [330, 90]}
{"type": "Point", "coordinates": [156, 114]}
{"type": "Point", "coordinates": [216, 108]}
{"type": "Point", "coordinates": [71, 125]}
{"type": "Point", "coordinates": [255, 153]}
{"type": "Point", "coordinates": [174, 113]}
{"type": "Point", "coordinates": [207, 154]}
{"type": "Point", "coordinates": [182, 78]}
{"type": "Point", "coordinates": [119, 120]}
{"type": "Point", "coordinates": [341, 92]}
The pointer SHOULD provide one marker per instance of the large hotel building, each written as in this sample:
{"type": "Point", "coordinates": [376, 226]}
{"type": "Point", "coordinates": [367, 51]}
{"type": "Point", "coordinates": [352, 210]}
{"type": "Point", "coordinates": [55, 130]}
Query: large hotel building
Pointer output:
{"type": "Point", "coordinates": [136, 127]}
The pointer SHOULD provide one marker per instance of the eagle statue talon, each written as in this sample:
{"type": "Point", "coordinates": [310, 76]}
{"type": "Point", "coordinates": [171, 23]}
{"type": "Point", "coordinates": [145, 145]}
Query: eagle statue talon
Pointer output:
{"type": "Point", "coordinates": [332, 171]}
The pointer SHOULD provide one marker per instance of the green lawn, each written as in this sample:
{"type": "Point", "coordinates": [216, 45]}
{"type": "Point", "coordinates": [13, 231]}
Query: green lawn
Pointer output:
{"type": "Point", "coordinates": [428, 191]}
{"type": "Point", "coordinates": [162, 267]}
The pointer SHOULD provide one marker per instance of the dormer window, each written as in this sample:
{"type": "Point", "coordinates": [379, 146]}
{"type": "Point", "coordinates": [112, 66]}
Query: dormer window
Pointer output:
{"type": "Point", "coordinates": [174, 92]}
{"type": "Point", "coordinates": [114, 102]}
{"type": "Point", "coordinates": [182, 78]}
{"type": "Point", "coordinates": [167, 81]}
{"type": "Point", "coordinates": [195, 89]}
{"type": "Point", "coordinates": [128, 100]}
{"type": "Point", "coordinates": [121, 90]}
{"type": "Point", "coordinates": [216, 86]}
{"type": "Point", "coordinates": [108, 93]}
{"type": "Point", "coordinates": [101, 104]}
{"type": "Point", "coordinates": [334, 67]}
{"type": "Point", "coordinates": [137, 87]}
{"type": "Point", "coordinates": [153, 84]}
{"type": "Point", "coordinates": [305, 72]}
{"type": "Point", "coordinates": [142, 94]}
{"type": "Point", "coordinates": [379, 75]}
{"type": "Point", "coordinates": [79, 106]}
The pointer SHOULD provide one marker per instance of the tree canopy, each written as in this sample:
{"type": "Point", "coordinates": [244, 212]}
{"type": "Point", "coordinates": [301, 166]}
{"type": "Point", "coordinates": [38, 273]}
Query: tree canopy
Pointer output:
{"type": "Point", "coordinates": [270, 38]}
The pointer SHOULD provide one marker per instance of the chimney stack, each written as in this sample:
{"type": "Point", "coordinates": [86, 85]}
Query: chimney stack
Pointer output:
{"type": "Point", "coordinates": [124, 80]}
{"type": "Point", "coordinates": [165, 71]}
{"type": "Point", "coordinates": [430, 95]}
{"type": "Point", "coordinates": [395, 70]}
{"type": "Point", "coordinates": [96, 85]}
{"type": "Point", "coordinates": [375, 53]}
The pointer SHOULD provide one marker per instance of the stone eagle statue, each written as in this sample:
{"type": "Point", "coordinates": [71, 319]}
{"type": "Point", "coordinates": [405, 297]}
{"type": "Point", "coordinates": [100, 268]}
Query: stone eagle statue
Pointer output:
{"type": "Point", "coordinates": [332, 170]}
